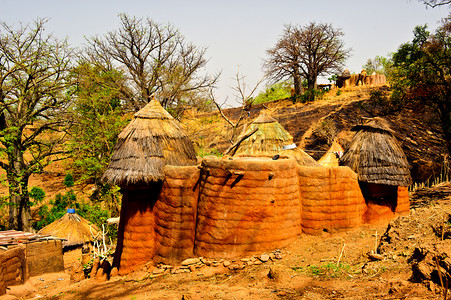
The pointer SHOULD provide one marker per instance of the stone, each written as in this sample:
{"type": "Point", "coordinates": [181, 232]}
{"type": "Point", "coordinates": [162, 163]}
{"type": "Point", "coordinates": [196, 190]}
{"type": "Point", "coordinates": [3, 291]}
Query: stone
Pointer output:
{"type": "Point", "coordinates": [190, 261]}
{"type": "Point", "coordinates": [158, 271]}
{"type": "Point", "coordinates": [178, 271]}
{"type": "Point", "coordinates": [236, 266]}
{"type": "Point", "coordinates": [375, 256]}
{"type": "Point", "coordinates": [264, 257]}
{"type": "Point", "coordinates": [226, 263]}
{"type": "Point", "coordinates": [257, 262]}
{"type": "Point", "coordinates": [192, 268]}
{"type": "Point", "coordinates": [245, 259]}
{"type": "Point", "coordinates": [278, 255]}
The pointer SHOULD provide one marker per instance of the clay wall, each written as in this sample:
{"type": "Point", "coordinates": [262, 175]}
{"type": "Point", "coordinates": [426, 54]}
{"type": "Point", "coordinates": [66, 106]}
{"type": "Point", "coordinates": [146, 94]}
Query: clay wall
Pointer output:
{"type": "Point", "coordinates": [403, 206]}
{"type": "Point", "coordinates": [175, 214]}
{"type": "Point", "coordinates": [44, 257]}
{"type": "Point", "coordinates": [2, 278]}
{"type": "Point", "coordinates": [136, 233]}
{"type": "Point", "coordinates": [72, 255]}
{"type": "Point", "coordinates": [331, 199]}
{"type": "Point", "coordinates": [246, 206]}
{"type": "Point", "coordinates": [13, 267]}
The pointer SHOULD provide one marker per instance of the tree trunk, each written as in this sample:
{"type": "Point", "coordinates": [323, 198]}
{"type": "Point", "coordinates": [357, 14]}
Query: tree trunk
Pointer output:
{"type": "Point", "coordinates": [311, 84]}
{"type": "Point", "coordinates": [445, 116]}
{"type": "Point", "coordinates": [297, 81]}
{"type": "Point", "coordinates": [19, 208]}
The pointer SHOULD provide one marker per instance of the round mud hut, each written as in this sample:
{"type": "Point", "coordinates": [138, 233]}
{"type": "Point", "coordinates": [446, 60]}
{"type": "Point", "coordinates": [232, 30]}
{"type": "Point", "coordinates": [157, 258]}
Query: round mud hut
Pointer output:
{"type": "Point", "coordinates": [265, 136]}
{"type": "Point", "coordinates": [78, 234]}
{"type": "Point", "coordinates": [332, 156]}
{"type": "Point", "coordinates": [152, 140]}
{"type": "Point", "coordinates": [382, 168]}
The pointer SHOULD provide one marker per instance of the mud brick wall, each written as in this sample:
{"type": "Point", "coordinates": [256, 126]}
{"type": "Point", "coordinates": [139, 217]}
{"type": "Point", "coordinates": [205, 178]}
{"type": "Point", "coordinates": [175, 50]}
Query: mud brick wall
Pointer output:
{"type": "Point", "coordinates": [331, 199]}
{"type": "Point", "coordinates": [71, 255]}
{"type": "Point", "coordinates": [44, 257]}
{"type": "Point", "coordinates": [403, 205]}
{"type": "Point", "coordinates": [2, 279]}
{"type": "Point", "coordinates": [12, 264]}
{"type": "Point", "coordinates": [246, 206]}
{"type": "Point", "coordinates": [136, 233]}
{"type": "Point", "coordinates": [175, 214]}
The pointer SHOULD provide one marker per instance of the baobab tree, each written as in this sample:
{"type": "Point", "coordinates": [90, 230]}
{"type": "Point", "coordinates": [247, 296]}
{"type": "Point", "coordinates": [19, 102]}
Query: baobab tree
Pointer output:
{"type": "Point", "coordinates": [306, 52]}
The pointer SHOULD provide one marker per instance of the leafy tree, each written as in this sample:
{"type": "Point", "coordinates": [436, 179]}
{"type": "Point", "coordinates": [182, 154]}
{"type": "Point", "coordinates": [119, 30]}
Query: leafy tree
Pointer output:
{"type": "Point", "coordinates": [98, 118]}
{"type": "Point", "coordinates": [421, 73]}
{"type": "Point", "coordinates": [277, 91]}
{"type": "Point", "coordinates": [306, 52]}
{"type": "Point", "coordinates": [156, 60]}
{"type": "Point", "coordinates": [34, 69]}
{"type": "Point", "coordinates": [379, 65]}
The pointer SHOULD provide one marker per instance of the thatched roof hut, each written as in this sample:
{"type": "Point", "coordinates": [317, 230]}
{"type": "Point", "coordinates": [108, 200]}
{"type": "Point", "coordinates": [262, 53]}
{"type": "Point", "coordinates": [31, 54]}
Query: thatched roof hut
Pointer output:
{"type": "Point", "coordinates": [331, 158]}
{"type": "Point", "coordinates": [376, 156]}
{"type": "Point", "coordinates": [74, 229]}
{"type": "Point", "coordinates": [272, 138]}
{"type": "Point", "coordinates": [152, 140]}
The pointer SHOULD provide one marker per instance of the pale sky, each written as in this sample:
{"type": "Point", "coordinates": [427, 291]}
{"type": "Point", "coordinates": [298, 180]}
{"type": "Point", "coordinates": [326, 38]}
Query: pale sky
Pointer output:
{"type": "Point", "coordinates": [237, 33]}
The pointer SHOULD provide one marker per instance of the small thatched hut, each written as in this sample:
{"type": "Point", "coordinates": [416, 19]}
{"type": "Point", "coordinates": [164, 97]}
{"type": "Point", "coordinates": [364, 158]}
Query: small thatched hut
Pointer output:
{"type": "Point", "coordinates": [332, 156]}
{"type": "Point", "coordinates": [382, 168]}
{"type": "Point", "coordinates": [152, 140]}
{"type": "Point", "coordinates": [270, 139]}
{"type": "Point", "coordinates": [76, 232]}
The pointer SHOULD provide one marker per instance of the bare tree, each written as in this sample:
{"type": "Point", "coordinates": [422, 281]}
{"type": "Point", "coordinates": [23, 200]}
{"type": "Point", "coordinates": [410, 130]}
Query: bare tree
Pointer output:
{"type": "Point", "coordinates": [306, 52]}
{"type": "Point", "coordinates": [34, 72]}
{"type": "Point", "coordinates": [435, 3]}
{"type": "Point", "coordinates": [156, 60]}
{"type": "Point", "coordinates": [245, 99]}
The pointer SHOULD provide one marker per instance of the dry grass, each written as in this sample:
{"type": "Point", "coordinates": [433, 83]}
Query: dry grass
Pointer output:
{"type": "Point", "coordinates": [270, 138]}
{"type": "Point", "coordinates": [73, 228]}
{"type": "Point", "coordinates": [376, 156]}
{"type": "Point", "coordinates": [150, 141]}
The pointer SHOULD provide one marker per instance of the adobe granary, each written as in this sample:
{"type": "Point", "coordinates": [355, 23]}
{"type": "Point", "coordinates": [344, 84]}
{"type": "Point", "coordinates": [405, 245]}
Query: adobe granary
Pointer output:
{"type": "Point", "coordinates": [152, 140]}
{"type": "Point", "coordinates": [347, 80]}
{"type": "Point", "coordinates": [76, 232]}
{"type": "Point", "coordinates": [382, 168]}
{"type": "Point", "coordinates": [265, 136]}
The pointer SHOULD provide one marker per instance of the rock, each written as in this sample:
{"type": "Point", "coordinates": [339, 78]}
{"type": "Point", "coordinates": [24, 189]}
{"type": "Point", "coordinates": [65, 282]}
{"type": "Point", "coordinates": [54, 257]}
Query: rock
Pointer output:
{"type": "Point", "coordinates": [264, 257]}
{"type": "Point", "coordinates": [278, 255]}
{"type": "Point", "coordinates": [190, 261]}
{"type": "Point", "coordinates": [236, 266]}
{"type": "Point", "coordinates": [158, 271]}
{"type": "Point", "coordinates": [205, 261]}
{"type": "Point", "coordinates": [245, 259]}
{"type": "Point", "coordinates": [101, 275]}
{"type": "Point", "coordinates": [77, 274]}
{"type": "Point", "coordinates": [192, 268]}
{"type": "Point", "coordinates": [375, 256]}
{"type": "Point", "coordinates": [226, 263]}
{"type": "Point", "coordinates": [178, 271]}
{"type": "Point", "coordinates": [257, 262]}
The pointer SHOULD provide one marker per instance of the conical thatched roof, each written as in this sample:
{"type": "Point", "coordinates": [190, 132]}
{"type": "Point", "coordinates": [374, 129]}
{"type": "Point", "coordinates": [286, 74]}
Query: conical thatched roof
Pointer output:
{"type": "Point", "coordinates": [73, 228]}
{"type": "Point", "coordinates": [152, 140]}
{"type": "Point", "coordinates": [376, 156]}
{"type": "Point", "coordinates": [271, 138]}
{"type": "Point", "coordinates": [330, 159]}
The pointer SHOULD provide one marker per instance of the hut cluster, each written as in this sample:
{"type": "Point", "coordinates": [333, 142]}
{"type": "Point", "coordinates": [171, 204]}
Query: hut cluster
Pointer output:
{"type": "Point", "coordinates": [260, 197]}
{"type": "Point", "coordinates": [347, 80]}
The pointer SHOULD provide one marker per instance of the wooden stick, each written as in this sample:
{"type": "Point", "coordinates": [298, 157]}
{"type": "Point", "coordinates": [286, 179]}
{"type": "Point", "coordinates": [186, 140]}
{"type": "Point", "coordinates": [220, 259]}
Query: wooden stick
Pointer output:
{"type": "Point", "coordinates": [238, 142]}
{"type": "Point", "coordinates": [341, 254]}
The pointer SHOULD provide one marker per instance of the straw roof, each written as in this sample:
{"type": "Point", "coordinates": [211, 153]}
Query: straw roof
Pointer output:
{"type": "Point", "coordinates": [152, 140]}
{"type": "Point", "coordinates": [74, 229]}
{"type": "Point", "coordinates": [330, 159]}
{"type": "Point", "coordinates": [271, 138]}
{"type": "Point", "coordinates": [376, 156]}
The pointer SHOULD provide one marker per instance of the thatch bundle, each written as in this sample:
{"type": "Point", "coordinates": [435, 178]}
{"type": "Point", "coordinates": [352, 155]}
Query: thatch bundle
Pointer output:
{"type": "Point", "coordinates": [331, 158]}
{"type": "Point", "coordinates": [74, 229]}
{"type": "Point", "coordinates": [152, 140]}
{"type": "Point", "coordinates": [376, 156]}
{"type": "Point", "coordinates": [272, 138]}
